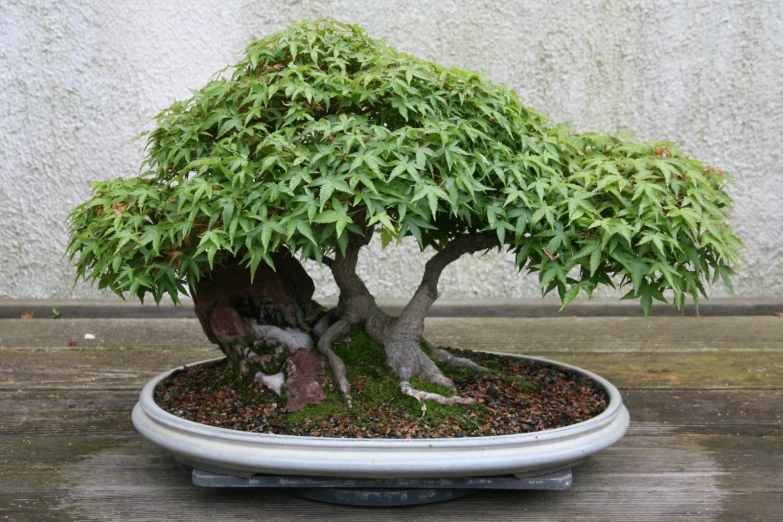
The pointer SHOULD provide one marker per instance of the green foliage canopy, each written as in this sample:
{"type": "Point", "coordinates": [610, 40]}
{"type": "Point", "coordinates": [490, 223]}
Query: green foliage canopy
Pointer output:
{"type": "Point", "coordinates": [320, 126]}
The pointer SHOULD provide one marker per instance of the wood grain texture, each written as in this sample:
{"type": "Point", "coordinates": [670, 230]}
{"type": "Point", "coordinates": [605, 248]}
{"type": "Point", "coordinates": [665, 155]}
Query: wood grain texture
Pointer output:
{"type": "Point", "coordinates": [705, 443]}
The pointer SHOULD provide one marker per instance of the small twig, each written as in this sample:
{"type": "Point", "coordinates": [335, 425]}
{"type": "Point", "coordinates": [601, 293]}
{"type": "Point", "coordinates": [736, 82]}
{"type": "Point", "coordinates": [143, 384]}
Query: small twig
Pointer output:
{"type": "Point", "coordinates": [387, 403]}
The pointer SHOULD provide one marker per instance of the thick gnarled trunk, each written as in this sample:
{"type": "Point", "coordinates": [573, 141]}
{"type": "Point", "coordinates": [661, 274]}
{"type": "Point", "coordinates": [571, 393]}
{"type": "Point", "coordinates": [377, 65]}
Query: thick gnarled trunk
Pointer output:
{"type": "Point", "coordinates": [228, 303]}
{"type": "Point", "coordinates": [261, 325]}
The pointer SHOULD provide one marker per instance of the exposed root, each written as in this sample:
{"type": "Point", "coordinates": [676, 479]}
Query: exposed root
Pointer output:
{"type": "Point", "coordinates": [273, 382]}
{"type": "Point", "coordinates": [338, 367]}
{"type": "Point", "coordinates": [290, 337]}
{"type": "Point", "coordinates": [325, 322]}
{"type": "Point", "coordinates": [439, 378]}
{"type": "Point", "coordinates": [457, 362]}
{"type": "Point", "coordinates": [408, 360]}
{"type": "Point", "coordinates": [420, 396]}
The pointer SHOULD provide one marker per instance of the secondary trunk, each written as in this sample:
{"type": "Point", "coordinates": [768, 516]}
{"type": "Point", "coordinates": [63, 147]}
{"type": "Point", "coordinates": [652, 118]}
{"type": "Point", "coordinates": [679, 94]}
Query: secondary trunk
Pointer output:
{"type": "Point", "coordinates": [401, 337]}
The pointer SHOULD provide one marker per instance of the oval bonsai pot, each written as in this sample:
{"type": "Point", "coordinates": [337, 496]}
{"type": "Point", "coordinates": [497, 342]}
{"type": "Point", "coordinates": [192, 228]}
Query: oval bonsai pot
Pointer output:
{"type": "Point", "coordinates": [244, 454]}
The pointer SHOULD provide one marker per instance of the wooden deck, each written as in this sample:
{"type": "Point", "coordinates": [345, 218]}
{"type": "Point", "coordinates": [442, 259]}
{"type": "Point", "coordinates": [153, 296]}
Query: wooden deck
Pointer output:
{"type": "Point", "coordinates": [705, 443]}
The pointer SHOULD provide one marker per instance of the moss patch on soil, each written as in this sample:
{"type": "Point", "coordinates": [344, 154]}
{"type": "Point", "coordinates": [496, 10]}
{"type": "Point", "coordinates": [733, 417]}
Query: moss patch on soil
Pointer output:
{"type": "Point", "coordinates": [515, 396]}
{"type": "Point", "coordinates": [376, 388]}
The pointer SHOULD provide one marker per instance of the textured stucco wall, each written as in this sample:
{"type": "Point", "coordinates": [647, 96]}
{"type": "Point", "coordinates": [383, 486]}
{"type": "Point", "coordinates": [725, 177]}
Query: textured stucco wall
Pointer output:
{"type": "Point", "coordinates": [79, 79]}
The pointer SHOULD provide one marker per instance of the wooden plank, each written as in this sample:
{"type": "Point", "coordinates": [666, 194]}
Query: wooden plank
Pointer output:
{"type": "Point", "coordinates": [610, 335]}
{"type": "Point", "coordinates": [663, 352]}
{"type": "Point", "coordinates": [679, 352]}
{"type": "Point", "coordinates": [53, 334]}
{"type": "Point", "coordinates": [93, 368]}
{"type": "Point", "coordinates": [681, 370]}
{"type": "Point", "coordinates": [705, 412]}
{"type": "Point", "coordinates": [72, 413]}
{"type": "Point", "coordinates": [66, 413]}
{"type": "Point", "coordinates": [604, 334]}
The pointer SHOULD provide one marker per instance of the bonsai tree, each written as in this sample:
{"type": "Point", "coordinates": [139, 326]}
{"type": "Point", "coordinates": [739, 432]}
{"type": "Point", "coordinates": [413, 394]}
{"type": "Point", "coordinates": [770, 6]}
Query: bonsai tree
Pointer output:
{"type": "Point", "coordinates": [321, 138]}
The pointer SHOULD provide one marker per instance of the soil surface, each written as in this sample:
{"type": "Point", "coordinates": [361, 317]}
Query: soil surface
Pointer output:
{"type": "Point", "coordinates": [518, 396]}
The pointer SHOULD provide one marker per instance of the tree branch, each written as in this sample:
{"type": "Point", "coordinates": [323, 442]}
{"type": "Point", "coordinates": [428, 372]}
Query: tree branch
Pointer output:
{"type": "Point", "coordinates": [414, 312]}
{"type": "Point", "coordinates": [344, 267]}
{"type": "Point", "coordinates": [356, 303]}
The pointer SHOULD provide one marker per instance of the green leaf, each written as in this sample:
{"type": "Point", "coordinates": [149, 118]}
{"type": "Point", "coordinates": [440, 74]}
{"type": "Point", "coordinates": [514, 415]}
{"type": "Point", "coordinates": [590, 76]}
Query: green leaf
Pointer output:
{"type": "Point", "coordinates": [595, 260]}
{"type": "Point", "coordinates": [342, 222]}
{"type": "Point", "coordinates": [328, 216]}
{"type": "Point", "coordinates": [382, 218]}
{"type": "Point", "coordinates": [211, 251]}
{"type": "Point", "coordinates": [587, 249]}
{"type": "Point", "coordinates": [233, 123]}
{"type": "Point", "coordinates": [569, 296]}
{"type": "Point", "coordinates": [268, 162]}
{"type": "Point", "coordinates": [266, 235]}
{"type": "Point", "coordinates": [305, 230]}
{"type": "Point", "coordinates": [501, 232]}
{"type": "Point", "coordinates": [228, 210]}
{"type": "Point", "coordinates": [401, 167]}
{"type": "Point", "coordinates": [549, 274]}
{"type": "Point", "coordinates": [646, 300]}
{"type": "Point", "coordinates": [724, 272]}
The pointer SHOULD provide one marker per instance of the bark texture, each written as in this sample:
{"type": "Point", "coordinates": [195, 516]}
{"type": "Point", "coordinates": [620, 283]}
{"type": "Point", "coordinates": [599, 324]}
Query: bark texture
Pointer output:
{"type": "Point", "coordinates": [228, 303]}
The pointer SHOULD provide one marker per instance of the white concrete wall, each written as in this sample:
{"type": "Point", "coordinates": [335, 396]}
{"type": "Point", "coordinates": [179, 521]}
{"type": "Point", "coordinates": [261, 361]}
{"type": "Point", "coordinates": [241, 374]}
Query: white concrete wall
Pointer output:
{"type": "Point", "coordinates": [78, 79]}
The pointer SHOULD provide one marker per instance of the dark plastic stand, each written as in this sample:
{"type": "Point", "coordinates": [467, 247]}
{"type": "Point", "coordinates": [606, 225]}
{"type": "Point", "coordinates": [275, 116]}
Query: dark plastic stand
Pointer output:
{"type": "Point", "coordinates": [382, 492]}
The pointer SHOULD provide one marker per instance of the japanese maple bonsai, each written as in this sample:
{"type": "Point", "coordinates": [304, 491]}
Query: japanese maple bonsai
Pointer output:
{"type": "Point", "coordinates": [321, 138]}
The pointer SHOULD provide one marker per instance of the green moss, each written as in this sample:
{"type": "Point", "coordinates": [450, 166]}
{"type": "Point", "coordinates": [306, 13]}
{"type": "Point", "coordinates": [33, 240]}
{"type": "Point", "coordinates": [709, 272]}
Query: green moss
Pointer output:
{"type": "Point", "coordinates": [520, 383]}
{"type": "Point", "coordinates": [376, 387]}
{"type": "Point", "coordinates": [492, 364]}
{"type": "Point", "coordinates": [431, 387]}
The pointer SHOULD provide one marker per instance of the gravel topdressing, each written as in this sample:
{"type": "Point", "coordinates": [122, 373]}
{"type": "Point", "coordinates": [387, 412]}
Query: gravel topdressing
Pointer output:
{"type": "Point", "coordinates": [520, 396]}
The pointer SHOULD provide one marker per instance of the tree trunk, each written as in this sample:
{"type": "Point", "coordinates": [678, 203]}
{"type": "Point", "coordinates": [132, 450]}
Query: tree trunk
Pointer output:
{"type": "Point", "coordinates": [246, 319]}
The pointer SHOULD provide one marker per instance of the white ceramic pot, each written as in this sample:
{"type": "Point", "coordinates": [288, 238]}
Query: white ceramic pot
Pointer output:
{"type": "Point", "coordinates": [244, 454]}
